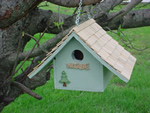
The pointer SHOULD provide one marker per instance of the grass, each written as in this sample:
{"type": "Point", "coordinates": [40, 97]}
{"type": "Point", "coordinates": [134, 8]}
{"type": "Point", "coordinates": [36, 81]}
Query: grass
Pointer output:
{"type": "Point", "coordinates": [118, 97]}
{"type": "Point", "coordinates": [54, 8]}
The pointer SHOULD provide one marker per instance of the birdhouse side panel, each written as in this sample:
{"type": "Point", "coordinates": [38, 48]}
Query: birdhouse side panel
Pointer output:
{"type": "Point", "coordinates": [107, 76]}
{"type": "Point", "coordinates": [76, 69]}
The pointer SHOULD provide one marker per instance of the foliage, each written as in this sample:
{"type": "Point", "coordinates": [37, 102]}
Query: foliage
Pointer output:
{"type": "Point", "coordinates": [58, 24]}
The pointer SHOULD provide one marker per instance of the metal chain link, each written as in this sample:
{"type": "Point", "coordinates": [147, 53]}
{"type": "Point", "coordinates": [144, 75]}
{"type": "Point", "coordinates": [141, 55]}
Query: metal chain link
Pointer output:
{"type": "Point", "coordinates": [88, 14]}
{"type": "Point", "coordinates": [78, 13]}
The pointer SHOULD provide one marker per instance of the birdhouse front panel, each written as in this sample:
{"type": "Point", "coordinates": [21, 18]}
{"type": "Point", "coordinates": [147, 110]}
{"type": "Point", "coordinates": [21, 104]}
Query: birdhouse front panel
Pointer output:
{"type": "Point", "coordinates": [76, 69]}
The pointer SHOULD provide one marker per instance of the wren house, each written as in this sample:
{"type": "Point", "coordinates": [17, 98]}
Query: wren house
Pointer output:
{"type": "Point", "coordinates": [86, 59]}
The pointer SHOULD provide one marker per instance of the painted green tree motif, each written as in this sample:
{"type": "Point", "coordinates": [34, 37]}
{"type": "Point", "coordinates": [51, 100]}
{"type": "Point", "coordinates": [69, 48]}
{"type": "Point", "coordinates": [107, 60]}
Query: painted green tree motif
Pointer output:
{"type": "Point", "coordinates": [64, 79]}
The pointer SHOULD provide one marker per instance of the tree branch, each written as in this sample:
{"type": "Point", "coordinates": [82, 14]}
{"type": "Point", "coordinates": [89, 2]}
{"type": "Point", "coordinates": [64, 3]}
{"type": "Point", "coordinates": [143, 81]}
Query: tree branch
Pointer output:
{"type": "Point", "coordinates": [37, 51]}
{"type": "Point", "coordinates": [104, 7]}
{"type": "Point", "coordinates": [125, 39]}
{"type": "Point", "coordinates": [47, 45]}
{"type": "Point", "coordinates": [37, 42]}
{"type": "Point", "coordinates": [27, 90]}
{"type": "Point", "coordinates": [28, 53]}
{"type": "Point", "coordinates": [135, 18]}
{"type": "Point", "coordinates": [73, 3]}
{"type": "Point", "coordinates": [15, 11]}
{"type": "Point", "coordinates": [128, 21]}
{"type": "Point", "coordinates": [124, 11]}
{"type": "Point", "coordinates": [39, 79]}
{"type": "Point", "coordinates": [18, 9]}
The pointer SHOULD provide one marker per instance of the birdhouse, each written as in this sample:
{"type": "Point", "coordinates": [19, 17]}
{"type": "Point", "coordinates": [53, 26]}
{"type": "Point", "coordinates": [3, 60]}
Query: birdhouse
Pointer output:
{"type": "Point", "coordinates": [86, 59]}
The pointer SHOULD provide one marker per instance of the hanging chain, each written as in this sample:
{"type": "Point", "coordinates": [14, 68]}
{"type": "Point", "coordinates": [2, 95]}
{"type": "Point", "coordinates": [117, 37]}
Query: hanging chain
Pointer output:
{"type": "Point", "coordinates": [78, 13]}
{"type": "Point", "coordinates": [88, 14]}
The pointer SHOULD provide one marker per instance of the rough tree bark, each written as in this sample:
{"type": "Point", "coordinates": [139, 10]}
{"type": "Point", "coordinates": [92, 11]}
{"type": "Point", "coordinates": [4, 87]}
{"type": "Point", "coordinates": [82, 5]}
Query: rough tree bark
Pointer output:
{"type": "Point", "coordinates": [17, 17]}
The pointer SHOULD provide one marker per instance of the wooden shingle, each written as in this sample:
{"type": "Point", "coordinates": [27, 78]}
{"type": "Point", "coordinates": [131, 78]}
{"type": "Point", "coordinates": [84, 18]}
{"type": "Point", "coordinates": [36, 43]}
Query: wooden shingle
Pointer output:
{"type": "Point", "coordinates": [107, 37]}
{"type": "Point", "coordinates": [98, 34]}
{"type": "Point", "coordinates": [101, 31]}
{"type": "Point", "coordinates": [108, 48]}
{"type": "Point", "coordinates": [116, 53]}
{"type": "Point", "coordinates": [103, 54]}
{"type": "Point", "coordinates": [119, 48]}
{"type": "Point", "coordinates": [95, 27]}
{"type": "Point", "coordinates": [89, 31]}
{"type": "Point", "coordinates": [84, 35]}
{"type": "Point", "coordinates": [92, 40]}
{"type": "Point", "coordinates": [111, 60]}
{"type": "Point", "coordinates": [102, 41]}
{"type": "Point", "coordinates": [96, 47]}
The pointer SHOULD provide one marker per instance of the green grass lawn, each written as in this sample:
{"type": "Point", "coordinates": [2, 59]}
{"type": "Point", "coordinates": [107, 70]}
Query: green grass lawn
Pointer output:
{"type": "Point", "coordinates": [118, 97]}
{"type": "Point", "coordinates": [54, 8]}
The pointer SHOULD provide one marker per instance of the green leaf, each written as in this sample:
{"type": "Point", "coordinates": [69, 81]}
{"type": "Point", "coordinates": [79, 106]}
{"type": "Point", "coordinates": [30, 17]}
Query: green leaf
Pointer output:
{"type": "Point", "coordinates": [58, 24]}
{"type": "Point", "coordinates": [61, 23]}
{"type": "Point", "coordinates": [39, 62]}
{"type": "Point", "coordinates": [12, 79]}
{"type": "Point", "coordinates": [22, 34]}
{"type": "Point", "coordinates": [118, 33]}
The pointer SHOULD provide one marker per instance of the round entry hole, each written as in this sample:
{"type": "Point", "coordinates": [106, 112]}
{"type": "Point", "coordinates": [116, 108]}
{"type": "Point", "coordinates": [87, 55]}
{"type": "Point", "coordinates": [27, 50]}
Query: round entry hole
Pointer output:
{"type": "Point", "coordinates": [77, 55]}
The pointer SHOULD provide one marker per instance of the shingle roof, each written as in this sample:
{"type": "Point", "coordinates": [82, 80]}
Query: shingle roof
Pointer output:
{"type": "Point", "coordinates": [106, 47]}
{"type": "Point", "coordinates": [103, 45]}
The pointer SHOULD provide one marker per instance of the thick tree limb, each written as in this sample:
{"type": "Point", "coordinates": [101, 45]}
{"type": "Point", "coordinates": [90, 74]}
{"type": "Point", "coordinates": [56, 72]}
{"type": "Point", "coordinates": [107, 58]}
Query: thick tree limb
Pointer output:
{"type": "Point", "coordinates": [108, 5]}
{"type": "Point", "coordinates": [15, 10]}
{"type": "Point", "coordinates": [73, 3]}
{"type": "Point", "coordinates": [128, 21]}
{"type": "Point", "coordinates": [101, 11]}
{"type": "Point", "coordinates": [124, 11]}
{"type": "Point", "coordinates": [18, 9]}
{"type": "Point", "coordinates": [47, 45]}
{"type": "Point", "coordinates": [26, 90]}
{"type": "Point", "coordinates": [135, 18]}
{"type": "Point", "coordinates": [104, 7]}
